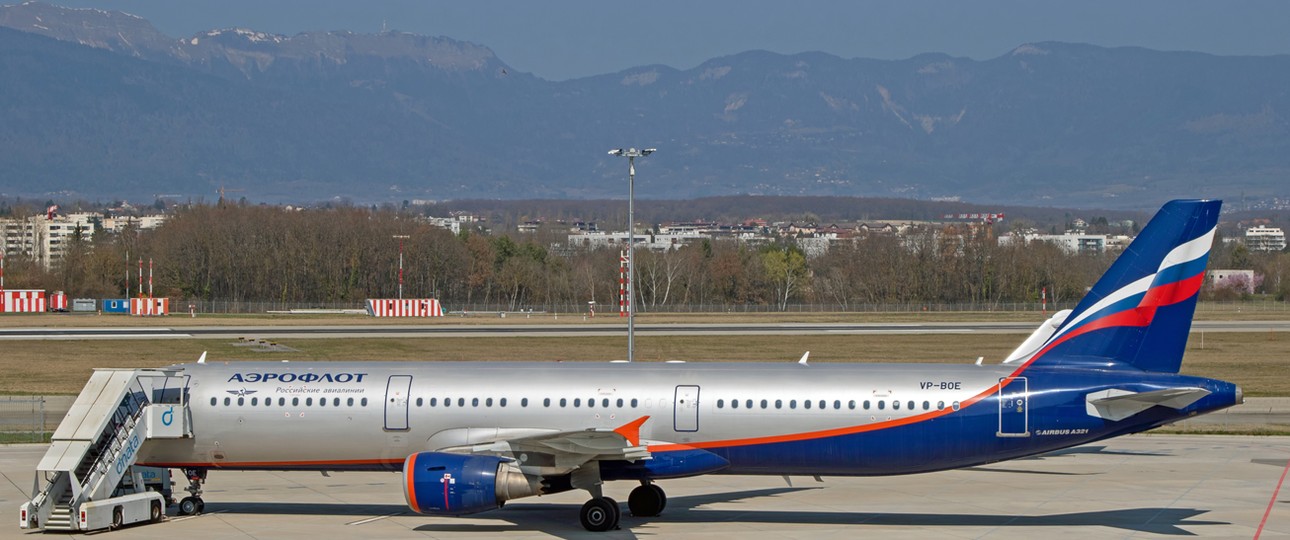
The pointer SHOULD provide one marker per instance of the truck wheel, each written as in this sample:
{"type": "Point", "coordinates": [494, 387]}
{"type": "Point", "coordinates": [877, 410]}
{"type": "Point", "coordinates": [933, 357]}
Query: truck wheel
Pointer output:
{"type": "Point", "coordinates": [155, 515]}
{"type": "Point", "coordinates": [118, 518]}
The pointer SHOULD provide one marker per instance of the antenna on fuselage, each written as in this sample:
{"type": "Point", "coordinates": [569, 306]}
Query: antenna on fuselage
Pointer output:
{"type": "Point", "coordinates": [802, 362]}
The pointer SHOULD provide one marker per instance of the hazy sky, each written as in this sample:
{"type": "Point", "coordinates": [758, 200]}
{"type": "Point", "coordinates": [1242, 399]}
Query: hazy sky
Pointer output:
{"type": "Point", "coordinates": [574, 38]}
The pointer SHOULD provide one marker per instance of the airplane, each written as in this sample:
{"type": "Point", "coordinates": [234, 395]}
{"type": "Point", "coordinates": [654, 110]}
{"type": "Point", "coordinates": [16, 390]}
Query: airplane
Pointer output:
{"type": "Point", "coordinates": [470, 436]}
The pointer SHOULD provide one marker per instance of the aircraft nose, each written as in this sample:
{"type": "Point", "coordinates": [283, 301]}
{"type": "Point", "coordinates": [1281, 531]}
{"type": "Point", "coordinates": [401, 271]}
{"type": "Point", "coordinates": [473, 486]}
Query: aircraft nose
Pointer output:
{"type": "Point", "coordinates": [1240, 395]}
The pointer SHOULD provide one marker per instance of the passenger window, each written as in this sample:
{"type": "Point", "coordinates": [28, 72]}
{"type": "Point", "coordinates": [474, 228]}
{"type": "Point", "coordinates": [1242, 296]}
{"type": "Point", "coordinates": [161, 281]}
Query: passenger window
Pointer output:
{"type": "Point", "coordinates": [792, 403]}
{"type": "Point", "coordinates": [823, 405]}
{"type": "Point", "coordinates": [763, 404]}
{"type": "Point", "coordinates": [866, 404]}
{"type": "Point", "coordinates": [927, 406]}
{"type": "Point", "coordinates": [955, 405]}
{"type": "Point", "coordinates": [837, 404]}
{"type": "Point", "coordinates": [309, 402]}
{"type": "Point", "coordinates": [322, 402]}
{"type": "Point", "coordinates": [502, 402]}
{"type": "Point", "coordinates": [577, 402]}
{"type": "Point", "coordinates": [562, 402]}
{"type": "Point", "coordinates": [911, 404]}
{"type": "Point", "coordinates": [474, 402]}
{"type": "Point", "coordinates": [779, 403]}
{"type": "Point", "coordinates": [895, 404]}
{"type": "Point", "coordinates": [748, 404]}
{"type": "Point", "coordinates": [734, 404]}
{"type": "Point", "coordinates": [214, 401]}
{"type": "Point", "coordinates": [335, 402]}
{"type": "Point", "coordinates": [282, 402]}
{"type": "Point", "coordinates": [240, 401]}
{"type": "Point", "coordinates": [546, 402]}
{"type": "Point", "coordinates": [721, 403]}
{"type": "Point", "coordinates": [633, 403]}
{"type": "Point", "coordinates": [806, 404]}
{"type": "Point", "coordinates": [851, 404]}
{"type": "Point", "coordinates": [488, 402]}
{"type": "Point", "coordinates": [461, 402]}
{"type": "Point", "coordinates": [940, 405]}
{"type": "Point", "coordinates": [255, 401]}
{"type": "Point", "coordinates": [882, 404]}
{"type": "Point", "coordinates": [350, 402]}
{"type": "Point", "coordinates": [295, 402]}
{"type": "Point", "coordinates": [524, 402]}
{"type": "Point", "coordinates": [604, 403]}
{"type": "Point", "coordinates": [364, 402]}
{"type": "Point", "coordinates": [419, 402]}
{"type": "Point", "coordinates": [620, 403]}
{"type": "Point", "coordinates": [433, 401]}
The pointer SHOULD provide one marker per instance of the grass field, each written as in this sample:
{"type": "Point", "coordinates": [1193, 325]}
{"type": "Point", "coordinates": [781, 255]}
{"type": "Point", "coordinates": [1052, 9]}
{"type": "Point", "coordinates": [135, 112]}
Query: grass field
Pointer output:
{"type": "Point", "coordinates": [1259, 362]}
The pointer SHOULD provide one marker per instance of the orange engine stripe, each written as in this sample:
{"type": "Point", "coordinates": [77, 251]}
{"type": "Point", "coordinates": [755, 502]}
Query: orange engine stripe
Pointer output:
{"type": "Point", "coordinates": [411, 487]}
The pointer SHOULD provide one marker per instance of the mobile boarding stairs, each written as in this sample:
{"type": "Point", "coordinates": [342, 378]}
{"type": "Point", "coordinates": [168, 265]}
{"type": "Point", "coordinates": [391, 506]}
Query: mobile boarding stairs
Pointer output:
{"type": "Point", "coordinates": [87, 480]}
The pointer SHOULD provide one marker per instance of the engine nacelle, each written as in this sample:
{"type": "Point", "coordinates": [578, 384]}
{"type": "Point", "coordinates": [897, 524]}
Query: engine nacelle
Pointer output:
{"type": "Point", "coordinates": [442, 484]}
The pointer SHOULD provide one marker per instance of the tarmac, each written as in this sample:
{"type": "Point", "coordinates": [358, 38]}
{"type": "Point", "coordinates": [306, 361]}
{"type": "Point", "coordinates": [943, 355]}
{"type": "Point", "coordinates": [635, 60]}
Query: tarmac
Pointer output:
{"type": "Point", "coordinates": [1141, 486]}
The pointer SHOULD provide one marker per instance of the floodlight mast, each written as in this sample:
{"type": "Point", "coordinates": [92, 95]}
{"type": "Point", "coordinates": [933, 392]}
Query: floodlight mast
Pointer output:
{"type": "Point", "coordinates": [631, 154]}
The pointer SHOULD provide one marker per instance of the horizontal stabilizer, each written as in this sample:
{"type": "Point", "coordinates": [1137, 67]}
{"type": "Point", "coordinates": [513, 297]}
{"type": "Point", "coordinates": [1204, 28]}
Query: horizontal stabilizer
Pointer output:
{"type": "Point", "coordinates": [1116, 405]}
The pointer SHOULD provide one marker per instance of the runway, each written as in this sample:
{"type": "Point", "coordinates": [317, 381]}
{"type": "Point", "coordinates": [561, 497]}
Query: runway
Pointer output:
{"type": "Point", "coordinates": [565, 330]}
{"type": "Point", "coordinates": [1142, 486]}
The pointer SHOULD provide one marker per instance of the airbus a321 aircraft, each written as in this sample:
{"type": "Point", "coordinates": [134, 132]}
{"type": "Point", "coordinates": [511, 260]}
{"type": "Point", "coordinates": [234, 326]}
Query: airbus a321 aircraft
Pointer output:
{"type": "Point", "coordinates": [470, 436]}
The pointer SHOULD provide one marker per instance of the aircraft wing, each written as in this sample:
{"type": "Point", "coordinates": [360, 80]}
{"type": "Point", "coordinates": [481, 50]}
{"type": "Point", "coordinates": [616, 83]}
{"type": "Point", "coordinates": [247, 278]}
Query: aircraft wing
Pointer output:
{"type": "Point", "coordinates": [558, 452]}
{"type": "Point", "coordinates": [1117, 405]}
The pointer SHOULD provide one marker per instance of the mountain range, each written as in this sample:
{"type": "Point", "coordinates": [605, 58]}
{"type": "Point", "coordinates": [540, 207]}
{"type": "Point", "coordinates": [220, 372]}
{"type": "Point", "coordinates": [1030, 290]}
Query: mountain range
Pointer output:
{"type": "Point", "coordinates": [101, 104]}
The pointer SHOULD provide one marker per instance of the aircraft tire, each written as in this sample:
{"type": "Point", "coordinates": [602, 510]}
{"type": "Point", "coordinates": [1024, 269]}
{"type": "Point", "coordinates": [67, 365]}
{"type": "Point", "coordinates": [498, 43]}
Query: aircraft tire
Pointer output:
{"type": "Point", "coordinates": [647, 500]}
{"type": "Point", "coordinates": [599, 514]}
{"type": "Point", "coordinates": [189, 506]}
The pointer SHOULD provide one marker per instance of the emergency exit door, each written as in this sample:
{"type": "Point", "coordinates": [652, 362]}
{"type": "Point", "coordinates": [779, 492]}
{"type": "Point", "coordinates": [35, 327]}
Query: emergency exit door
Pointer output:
{"type": "Point", "coordinates": [396, 402]}
{"type": "Point", "coordinates": [1014, 407]}
{"type": "Point", "coordinates": [686, 409]}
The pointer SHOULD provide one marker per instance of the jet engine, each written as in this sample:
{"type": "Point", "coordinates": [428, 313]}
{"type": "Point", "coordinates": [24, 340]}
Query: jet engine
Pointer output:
{"type": "Point", "coordinates": [442, 484]}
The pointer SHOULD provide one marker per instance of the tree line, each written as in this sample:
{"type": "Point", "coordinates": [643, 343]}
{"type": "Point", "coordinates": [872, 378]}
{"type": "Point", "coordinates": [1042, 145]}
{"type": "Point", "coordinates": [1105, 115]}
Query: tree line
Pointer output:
{"type": "Point", "coordinates": [346, 255]}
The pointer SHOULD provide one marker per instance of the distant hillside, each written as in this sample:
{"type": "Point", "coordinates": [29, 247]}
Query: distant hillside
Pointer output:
{"type": "Point", "coordinates": [101, 104]}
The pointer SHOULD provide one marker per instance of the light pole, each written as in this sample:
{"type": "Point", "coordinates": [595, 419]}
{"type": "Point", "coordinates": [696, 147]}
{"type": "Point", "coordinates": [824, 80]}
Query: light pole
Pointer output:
{"type": "Point", "coordinates": [401, 238]}
{"type": "Point", "coordinates": [631, 154]}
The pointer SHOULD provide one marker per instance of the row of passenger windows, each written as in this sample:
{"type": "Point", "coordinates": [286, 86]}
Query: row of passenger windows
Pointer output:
{"type": "Point", "coordinates": [591, 402]}
{"type": "Point", "coordinates": [837, 404]}
{"type": "Point", "coordinates": [524, 402]}
{"type": "Point", "coordinates": [295, 402]}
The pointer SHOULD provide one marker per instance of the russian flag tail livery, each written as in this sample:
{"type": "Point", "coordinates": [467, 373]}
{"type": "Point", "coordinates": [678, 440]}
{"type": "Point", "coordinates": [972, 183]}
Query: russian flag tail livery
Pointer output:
{"type": "Point", "coordinates": [1139, 314]}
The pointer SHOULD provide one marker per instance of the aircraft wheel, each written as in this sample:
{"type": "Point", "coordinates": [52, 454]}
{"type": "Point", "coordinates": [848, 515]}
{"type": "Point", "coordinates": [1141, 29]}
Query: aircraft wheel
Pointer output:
{"type": "Point", "coordinates": [189, 506]}
{"type": "Point", "coordinates": [201, 505]}
{"type": "Point", "coordinates": [647, 500]}
{"type": "Point", "coordinates": [599, 515]}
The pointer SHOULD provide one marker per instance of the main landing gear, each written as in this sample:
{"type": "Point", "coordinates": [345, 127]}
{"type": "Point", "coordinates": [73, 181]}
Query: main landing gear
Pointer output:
{"type": "Point", "coordinates": [601, 514]}
{"type": "Point", "coordinates": [193, 504]}
{"type": "Point", "coordinates": [647, 500]}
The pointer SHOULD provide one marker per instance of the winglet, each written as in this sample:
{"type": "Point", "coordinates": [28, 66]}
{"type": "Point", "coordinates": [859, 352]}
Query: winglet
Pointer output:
{"type": "Point", "coordinates": [202, 359]}
{"type": "Point", "coordinates": [803, 360]}
{"type": "Point", "coordinates": [632, 430]}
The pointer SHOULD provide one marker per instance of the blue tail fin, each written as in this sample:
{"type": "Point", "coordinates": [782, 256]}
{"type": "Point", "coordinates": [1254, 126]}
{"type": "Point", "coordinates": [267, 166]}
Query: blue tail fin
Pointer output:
{"type": "Point", "coordinates": [1139, 313]}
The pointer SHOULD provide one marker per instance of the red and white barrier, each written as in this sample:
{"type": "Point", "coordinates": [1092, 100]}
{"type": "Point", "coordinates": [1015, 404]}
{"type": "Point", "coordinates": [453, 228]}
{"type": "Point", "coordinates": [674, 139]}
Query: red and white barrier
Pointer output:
{"type": "Point", "coordinates": [407, 307]}
{"type": "Point", "coordinates": [24, 301]}
{"type": "Point", "coordinates": [149, 306]}
{"type": "Point", "coordinates": [58, 301]}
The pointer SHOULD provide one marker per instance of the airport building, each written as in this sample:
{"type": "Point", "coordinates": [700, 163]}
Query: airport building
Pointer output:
{"type": "Point", "coordinates": [1264, 238]}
